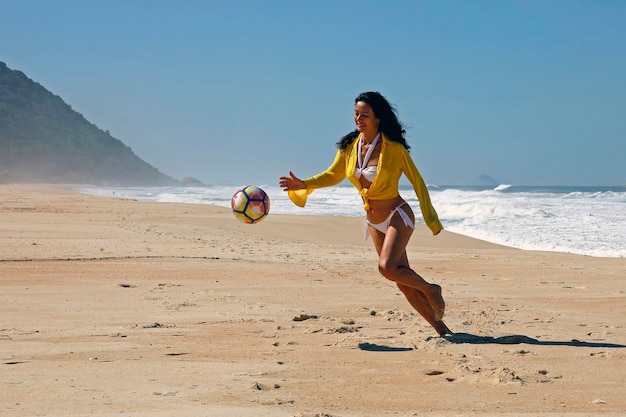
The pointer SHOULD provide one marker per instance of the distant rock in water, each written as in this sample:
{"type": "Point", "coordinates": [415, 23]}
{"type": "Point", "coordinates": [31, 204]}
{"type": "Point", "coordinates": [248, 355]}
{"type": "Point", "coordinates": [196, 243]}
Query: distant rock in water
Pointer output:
{"type": "Point", "coordinates": [42, 139]}
{"type": "Point", "coordinates": [486, 180]}
{"type": "Point", "coordinates": [191, 182]}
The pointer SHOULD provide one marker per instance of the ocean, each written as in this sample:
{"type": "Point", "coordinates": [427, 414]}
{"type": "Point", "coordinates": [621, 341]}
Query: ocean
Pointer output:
{"type": "Point", "coordinates": [582, 220]}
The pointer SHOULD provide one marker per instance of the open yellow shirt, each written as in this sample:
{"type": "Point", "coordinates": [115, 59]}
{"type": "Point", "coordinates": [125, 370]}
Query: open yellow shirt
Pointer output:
{"type": "Point", "coordinates": [394, 161]}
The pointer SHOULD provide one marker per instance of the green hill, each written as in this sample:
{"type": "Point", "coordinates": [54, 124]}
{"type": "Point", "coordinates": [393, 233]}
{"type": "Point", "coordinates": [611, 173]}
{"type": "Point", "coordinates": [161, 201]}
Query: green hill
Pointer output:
{"type": "Point", "coordinates": [43, 140]}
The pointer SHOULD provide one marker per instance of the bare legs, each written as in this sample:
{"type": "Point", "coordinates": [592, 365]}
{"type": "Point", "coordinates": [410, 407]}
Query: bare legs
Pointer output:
{"type": "Point", "coordinates": [393, 264]}
{"type": "Point", "coordinates": [421, 304]}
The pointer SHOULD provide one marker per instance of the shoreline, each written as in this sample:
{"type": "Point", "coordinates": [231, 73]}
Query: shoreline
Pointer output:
{"type": "Point", "coordinates": [543, 225]}
{"type": "Point", "coordinates": [117, 305]}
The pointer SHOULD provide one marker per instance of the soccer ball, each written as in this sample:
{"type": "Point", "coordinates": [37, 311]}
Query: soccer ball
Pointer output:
{"type": "Point", "coordinates": [250, 204]}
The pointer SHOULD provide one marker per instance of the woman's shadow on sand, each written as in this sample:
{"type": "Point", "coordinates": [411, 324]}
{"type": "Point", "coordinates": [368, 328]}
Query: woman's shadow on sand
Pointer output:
{"type": "Point", "coordinates": [472, 339]}
{"type": "Point", "coordinates": [515, 339]}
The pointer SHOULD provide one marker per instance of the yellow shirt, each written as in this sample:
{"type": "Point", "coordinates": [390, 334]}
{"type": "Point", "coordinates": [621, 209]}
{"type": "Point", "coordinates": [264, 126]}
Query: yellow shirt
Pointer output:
{"type": "Point", "coordinates": [394, 160]}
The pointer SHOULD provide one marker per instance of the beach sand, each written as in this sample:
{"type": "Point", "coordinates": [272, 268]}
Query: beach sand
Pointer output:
{"type": "Point", "coordinates": [119, 307]}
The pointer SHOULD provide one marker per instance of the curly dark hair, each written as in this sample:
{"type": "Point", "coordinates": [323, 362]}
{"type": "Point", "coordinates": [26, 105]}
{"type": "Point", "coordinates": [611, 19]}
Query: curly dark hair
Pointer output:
{"type": "Point", "coordinates": [389, 123]}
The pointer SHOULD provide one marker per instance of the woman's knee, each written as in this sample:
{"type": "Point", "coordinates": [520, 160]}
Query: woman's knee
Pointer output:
{"type": "Point", "coordinates": [388, 269]}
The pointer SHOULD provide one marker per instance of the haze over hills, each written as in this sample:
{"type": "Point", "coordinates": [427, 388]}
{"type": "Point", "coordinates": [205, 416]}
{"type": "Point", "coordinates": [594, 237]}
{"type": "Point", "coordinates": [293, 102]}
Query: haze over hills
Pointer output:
{"type": "Point", "coordinates": [42, 139]}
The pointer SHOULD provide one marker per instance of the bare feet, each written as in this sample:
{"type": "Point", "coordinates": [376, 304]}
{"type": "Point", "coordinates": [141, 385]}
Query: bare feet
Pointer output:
{"type": "Point", "coordinates": [436, 301]}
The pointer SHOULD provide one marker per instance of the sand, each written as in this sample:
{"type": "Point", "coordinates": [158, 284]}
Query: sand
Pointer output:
{"type": "Point", "coordinates": [119, 307]}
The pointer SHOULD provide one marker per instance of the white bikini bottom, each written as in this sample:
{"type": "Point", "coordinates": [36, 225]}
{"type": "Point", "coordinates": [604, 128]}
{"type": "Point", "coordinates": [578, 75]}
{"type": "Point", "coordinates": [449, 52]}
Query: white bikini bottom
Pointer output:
{"type": "Point", "coordinates": [382, 227]}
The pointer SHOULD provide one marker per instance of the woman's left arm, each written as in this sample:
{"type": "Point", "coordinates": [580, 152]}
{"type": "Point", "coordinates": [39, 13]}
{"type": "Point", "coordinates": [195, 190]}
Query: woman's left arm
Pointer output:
{"type": "Point", "coordinates": [428, 211]}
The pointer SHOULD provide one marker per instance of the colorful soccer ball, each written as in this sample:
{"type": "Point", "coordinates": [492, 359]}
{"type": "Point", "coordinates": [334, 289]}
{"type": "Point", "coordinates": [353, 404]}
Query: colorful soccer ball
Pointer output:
{"type": "Point", "coordinates": [250, 204]}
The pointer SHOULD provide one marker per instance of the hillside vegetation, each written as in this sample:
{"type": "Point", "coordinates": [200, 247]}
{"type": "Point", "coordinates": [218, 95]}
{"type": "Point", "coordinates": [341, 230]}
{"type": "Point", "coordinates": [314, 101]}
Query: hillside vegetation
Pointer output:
{"type": "Point", "coordinates": [42, 139]}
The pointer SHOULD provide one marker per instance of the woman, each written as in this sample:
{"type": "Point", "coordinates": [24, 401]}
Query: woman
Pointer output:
{"type": "Point", "coordinates": [372, 158]}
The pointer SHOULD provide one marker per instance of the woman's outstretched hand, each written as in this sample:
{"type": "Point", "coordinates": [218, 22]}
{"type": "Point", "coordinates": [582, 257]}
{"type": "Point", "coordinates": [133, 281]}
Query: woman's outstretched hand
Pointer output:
{"type": "Point", "coordinates": [291, 183]}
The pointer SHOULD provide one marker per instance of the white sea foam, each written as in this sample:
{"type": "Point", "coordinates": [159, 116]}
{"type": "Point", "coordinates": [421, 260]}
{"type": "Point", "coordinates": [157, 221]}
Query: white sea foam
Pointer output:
{"type": "Point", "coordinates": [584, 220]}
{"type": "Point", "coordinates": [502, 187]}
{"type": "Point", "coordinates": [585, 223]}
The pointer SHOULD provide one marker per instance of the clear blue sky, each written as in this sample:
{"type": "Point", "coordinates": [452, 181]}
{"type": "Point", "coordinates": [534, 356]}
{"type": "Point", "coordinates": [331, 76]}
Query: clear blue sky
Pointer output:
{"type": "Point", "coordinates": [240, 92]}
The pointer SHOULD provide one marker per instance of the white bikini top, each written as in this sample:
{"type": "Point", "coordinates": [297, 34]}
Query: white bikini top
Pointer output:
{"type": "Point", "coordinates": [368, 172]}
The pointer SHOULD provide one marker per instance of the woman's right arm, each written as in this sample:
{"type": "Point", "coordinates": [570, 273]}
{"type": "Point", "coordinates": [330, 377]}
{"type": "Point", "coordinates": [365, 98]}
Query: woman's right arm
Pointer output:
{"type": "Point", "coordinates": [333, 175]}
{"type": "Point", "coordinates": [298, 190]}
{"type": "Point", "coordinates": [291, 183]}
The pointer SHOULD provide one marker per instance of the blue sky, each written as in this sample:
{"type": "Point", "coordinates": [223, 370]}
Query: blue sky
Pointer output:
{"type": "Point", "coordinates": [240, 92]}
